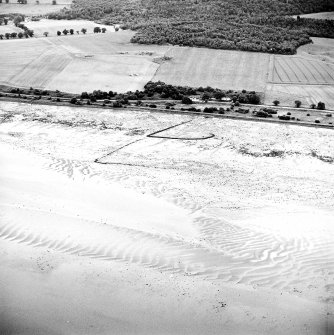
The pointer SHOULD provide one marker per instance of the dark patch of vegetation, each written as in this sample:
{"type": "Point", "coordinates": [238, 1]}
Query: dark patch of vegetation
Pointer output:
{"type": "Point", "coordinates": [210, 110]}
{"type": "Point", "coordinates": [298, 103]}
{"type": "Point", "coordinates": [250, 25]}
{"type": "Point", "coordinates": [159, 90]}
{"type": "Point", "coordinates": [327, 159]}
{"type": "Point", "coordinates": [262, 113]}
{"type": "Point", "coordinates": [272, 153]}
{"type": "Point", "coordinates": [269, 110]}
{"type": "Point", "coordinates": [284, 117]}
{"type": "Point", "coordinates": [242, 111]}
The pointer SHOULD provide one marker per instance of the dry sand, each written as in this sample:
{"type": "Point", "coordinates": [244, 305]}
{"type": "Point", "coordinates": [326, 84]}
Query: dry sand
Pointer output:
{"type": "Point", "coordinates": [228, 235]}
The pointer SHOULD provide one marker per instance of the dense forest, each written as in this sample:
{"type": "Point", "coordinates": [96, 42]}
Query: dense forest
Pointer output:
{"type": "Point", "coordinates": [252, 25]}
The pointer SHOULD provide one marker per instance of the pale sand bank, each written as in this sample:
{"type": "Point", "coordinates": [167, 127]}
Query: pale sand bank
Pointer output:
{"type": "Point", "coordinates": [84, 251]}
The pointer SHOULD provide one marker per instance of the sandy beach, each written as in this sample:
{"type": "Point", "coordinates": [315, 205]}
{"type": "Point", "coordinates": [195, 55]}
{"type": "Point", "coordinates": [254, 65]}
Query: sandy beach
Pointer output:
{"type": "Point", "coordinates": [104, 230]}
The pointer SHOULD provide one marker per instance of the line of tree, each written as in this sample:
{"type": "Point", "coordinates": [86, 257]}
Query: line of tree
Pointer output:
{"type": "Point", "coordinates": [17, 20]}
{"type": "Point", "coordinates": [252, 25]}
{"type": "Point", "coordinates": [83, 30]}
{"type": "Point", "coordinates": [162, 91]}
{"type": "Point", "coordinates": [99, 30]}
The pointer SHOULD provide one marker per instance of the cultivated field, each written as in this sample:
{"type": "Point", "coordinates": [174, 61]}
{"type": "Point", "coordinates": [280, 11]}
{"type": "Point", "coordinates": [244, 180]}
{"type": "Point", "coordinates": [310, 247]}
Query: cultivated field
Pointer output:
{"type": "Point", "coordinates": [115, 72]}
{"type": "Point", "coordinates": [42, 69]}
{"type": "Point", "coordinates": [166, 236]}
{"type": "Point", "coordinates": [17, 56]}
{"type": "Point", "coordinates": [298, 70]}
{"type": "Point", "coordinates": [79, 63]}
{"type": "Point", "coordinates": [217, 68]}
{"type": "Point", "coordinates": [308, 76]}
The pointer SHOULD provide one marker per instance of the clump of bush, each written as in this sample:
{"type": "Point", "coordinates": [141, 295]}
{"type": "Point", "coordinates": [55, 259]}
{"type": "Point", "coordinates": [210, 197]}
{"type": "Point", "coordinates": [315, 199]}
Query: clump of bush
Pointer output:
{"type": "Point", "coordinates": [284, 117]}
{"type": "Point", "coordinates": [269, 110]}
{"type": "Point", "coordinates": [210, 110]}
{"type": "Point", "coordinates": [242, 111]}
{"type": "Point", "coordinates": [262, 113]}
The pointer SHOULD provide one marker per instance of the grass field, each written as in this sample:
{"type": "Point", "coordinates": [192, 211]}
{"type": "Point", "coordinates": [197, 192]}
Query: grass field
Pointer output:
{"type": "Point", "coordinates": [9, 28]}
{"type": "Point", "coordinates": [31, 8]}
{"type": "Point", "coordinates": [52, 26]}
{"type": "Point", "coordinates": [217, 68]}
{"type": "Point", "coordinates": [322, 49]}
{"type": "Point", "coordinates": [307, 94]}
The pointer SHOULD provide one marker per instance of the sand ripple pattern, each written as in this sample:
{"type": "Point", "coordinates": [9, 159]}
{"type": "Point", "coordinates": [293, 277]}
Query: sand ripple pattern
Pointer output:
{"type": "Point", "coordinates": [224, 252]}
{"type": "Point", "coordinates": [268, 260]}
{"type": "Point", "coordinates": [77, 169]}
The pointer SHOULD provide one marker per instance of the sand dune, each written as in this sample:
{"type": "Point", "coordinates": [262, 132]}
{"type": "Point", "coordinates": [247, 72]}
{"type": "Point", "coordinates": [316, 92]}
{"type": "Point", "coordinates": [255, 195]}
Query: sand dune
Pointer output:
{"type": "Point", "coordinates": [215, 214]}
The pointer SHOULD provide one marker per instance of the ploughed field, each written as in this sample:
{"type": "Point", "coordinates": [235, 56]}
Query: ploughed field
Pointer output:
{"type": "Point", "coordinates": [248, 210]}
{"type": "Point", "coordinates": [298, 70]}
